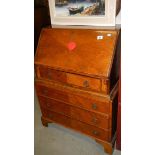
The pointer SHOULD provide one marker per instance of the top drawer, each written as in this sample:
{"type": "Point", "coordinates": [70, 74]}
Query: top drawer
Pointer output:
{"type": "Point", "coordinates": [69, 78]}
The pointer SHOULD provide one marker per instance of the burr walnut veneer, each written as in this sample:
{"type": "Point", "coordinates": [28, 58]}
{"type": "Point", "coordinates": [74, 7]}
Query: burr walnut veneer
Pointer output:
{"type": "Point", "coordinates": [76, 81]}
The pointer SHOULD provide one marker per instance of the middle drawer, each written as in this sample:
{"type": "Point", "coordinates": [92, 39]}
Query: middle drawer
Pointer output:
{"type": "Point", "coordinates": [85, 116]}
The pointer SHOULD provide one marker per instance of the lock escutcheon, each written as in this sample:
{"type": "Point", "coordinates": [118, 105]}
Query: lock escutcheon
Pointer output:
{"type": "Point", "coordinates": [49, 74]}
{"type": "Point", "coordinates": [94, 106]}
{"type": "Point", "coordinates": [86, 83]}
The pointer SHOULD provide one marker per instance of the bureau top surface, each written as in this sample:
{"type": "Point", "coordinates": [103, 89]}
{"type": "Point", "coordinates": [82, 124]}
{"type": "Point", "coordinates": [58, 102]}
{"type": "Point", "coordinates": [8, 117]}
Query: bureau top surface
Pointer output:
{"type": "Point", "coordinates": [88, 52]}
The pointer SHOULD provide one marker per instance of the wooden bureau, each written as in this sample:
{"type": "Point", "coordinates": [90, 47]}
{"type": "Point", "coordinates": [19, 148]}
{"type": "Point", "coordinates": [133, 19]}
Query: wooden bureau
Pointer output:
{"type": "Point", "coordinates": [77, 81]}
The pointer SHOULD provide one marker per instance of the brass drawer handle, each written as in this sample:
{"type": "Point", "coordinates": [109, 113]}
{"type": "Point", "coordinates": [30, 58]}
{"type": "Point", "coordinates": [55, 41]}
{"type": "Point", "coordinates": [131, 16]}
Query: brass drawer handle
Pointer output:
{"type": "Point", "coordinates": [49, 74]}
{"type": "Point", "coordinates": [96, 133]}
{"type": "Point", "coordinates": [94, 106]}
{"type": "Point", "coordinates": [45, 91]}
{"type": "Point", "coordinates": [86, 83]}
{"type": "Point", "coordinates": [94, 120]}
{"type": "Point", "coordinates": [47, 104]}
{"type": "Point", "coordinates": [50, 115]}
{"type": "Point", "coordinates": [62, 113]}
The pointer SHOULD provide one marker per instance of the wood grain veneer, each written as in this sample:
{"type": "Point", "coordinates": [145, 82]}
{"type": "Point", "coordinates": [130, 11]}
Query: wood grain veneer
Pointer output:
{"type": "Point", "coordinates": [78, 88]}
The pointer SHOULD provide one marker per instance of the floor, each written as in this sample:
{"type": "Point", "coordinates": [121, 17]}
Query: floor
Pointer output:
{"type": "Point", "coordinates": [57, 140]}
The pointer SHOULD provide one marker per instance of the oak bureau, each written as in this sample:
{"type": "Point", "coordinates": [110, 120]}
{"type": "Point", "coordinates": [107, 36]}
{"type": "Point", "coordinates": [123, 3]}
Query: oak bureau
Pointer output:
{"type": "Point", "coordinates": [77, 81]}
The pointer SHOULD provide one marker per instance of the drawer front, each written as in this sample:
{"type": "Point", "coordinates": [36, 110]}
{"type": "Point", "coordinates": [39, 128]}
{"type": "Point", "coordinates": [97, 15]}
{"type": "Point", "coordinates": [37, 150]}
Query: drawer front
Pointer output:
{"type": "Point", "coordinates": [70, 79]}
{"type": "Point", "coordinates": [73, 99]}
{"type": "Point", "coordinates": [77, 125]}
{"type": "Point", "coordinates": [91, 118]}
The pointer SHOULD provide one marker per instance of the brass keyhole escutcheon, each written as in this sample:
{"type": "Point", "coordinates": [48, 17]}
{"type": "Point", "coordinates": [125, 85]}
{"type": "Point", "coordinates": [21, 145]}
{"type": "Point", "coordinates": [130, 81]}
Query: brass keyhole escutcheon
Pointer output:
{"type": "Point", "coordinates": [94, 106]}
{"type": "Point", "coordinates": [86, 83]}
{"type": "Point", "coordinates": [49, 74]}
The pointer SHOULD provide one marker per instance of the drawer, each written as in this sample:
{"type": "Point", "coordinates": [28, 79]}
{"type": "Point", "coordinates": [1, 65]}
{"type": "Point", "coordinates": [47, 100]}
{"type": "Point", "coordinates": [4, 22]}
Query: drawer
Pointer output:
{"type": "Point", "coordinates": [74, 99]}
{"type": "Point", "coordinates": [77, 125]}
{"type": "Point", "coordinates": [69, 79]}
{"type": "Point", "coordinates": [98, 120]}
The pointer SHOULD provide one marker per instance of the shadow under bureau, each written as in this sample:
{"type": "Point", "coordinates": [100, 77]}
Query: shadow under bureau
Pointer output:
{"type": "Point", "coordinates": [77, 81]}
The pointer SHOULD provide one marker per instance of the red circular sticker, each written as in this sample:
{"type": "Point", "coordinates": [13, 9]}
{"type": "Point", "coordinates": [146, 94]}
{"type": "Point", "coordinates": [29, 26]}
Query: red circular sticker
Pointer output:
{"type": "Point", "coordinates": [71, 45]}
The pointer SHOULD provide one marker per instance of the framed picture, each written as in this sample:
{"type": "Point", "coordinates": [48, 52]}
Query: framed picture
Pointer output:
{"type": "Point", "coordinates": [83, 12]}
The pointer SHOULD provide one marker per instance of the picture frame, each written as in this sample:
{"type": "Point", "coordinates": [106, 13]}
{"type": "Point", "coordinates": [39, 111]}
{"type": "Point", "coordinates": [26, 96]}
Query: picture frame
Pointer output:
{"type": "Point", "coordinates": [60, 16]}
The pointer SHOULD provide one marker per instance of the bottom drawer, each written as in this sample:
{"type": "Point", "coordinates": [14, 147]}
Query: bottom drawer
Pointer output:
{"type": "Point", "coordinates": [77, 125]}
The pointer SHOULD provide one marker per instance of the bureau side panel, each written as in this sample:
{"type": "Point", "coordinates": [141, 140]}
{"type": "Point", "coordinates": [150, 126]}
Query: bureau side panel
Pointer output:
{"type": "Point", "coordinates": [114, 114]}
{"type": "Point", "coordinates": [114, 75]}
